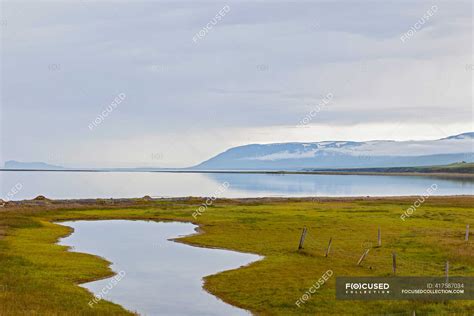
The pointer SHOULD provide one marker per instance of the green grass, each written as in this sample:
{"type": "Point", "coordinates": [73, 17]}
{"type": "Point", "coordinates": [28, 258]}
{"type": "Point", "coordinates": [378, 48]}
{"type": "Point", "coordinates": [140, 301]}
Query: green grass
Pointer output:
{"type": "Point", "coordinates": [454, 168]}
{"type": "Point", "coordinates": [39, 277]}
{"type": "Point", "coordinates": [463, 167]}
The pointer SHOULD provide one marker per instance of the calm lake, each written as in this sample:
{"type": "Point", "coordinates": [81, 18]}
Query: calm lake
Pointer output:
{"type": "Point", "coordinates": [158, 276]}
{"type": "Point", "coordinates": [66, 185]}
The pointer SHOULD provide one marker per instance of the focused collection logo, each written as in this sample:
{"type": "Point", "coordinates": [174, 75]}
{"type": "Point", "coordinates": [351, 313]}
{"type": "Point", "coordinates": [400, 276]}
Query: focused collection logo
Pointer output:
{"type": "Point", "coordinates": [404, 288]}
{"type": "Point", "coordinates": [367, 288]}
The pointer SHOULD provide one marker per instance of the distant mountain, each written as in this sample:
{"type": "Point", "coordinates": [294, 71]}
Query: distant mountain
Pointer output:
{"type": "Point", "coordinates": [344, 154]}
{"type": "Point", "coordinates": [12, 164]}
{"type": "Point", "coordinates": [461, 136]}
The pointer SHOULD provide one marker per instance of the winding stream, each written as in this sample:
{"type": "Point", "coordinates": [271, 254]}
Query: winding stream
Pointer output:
{"type": "Point", "coordinates": [157, 276]}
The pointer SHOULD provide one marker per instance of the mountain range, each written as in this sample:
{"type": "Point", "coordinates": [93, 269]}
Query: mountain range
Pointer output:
{"type": "Point", "coordinates": [344, 154]}
{"type": "Point", "coordinates": [320, 155]}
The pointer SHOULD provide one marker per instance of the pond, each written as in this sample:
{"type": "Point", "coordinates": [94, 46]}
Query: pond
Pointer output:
{"type": "Point", "coordinates": [155, 275]}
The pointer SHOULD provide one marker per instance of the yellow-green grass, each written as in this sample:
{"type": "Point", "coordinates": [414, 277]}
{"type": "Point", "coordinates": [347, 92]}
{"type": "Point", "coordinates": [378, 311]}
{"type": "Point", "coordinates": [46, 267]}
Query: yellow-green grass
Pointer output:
{"type": "Point", "coordinates": [39, 277]}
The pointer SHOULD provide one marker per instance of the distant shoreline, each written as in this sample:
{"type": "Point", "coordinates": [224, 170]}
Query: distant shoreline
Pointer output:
{"type": "Point", "coordinates": [327, 172]}
{"type": "Point", "coordinates": [140, 201]}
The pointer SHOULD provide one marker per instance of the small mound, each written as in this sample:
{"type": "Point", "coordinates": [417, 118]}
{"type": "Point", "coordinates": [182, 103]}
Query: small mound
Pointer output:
{"type": "Point", "coordinates": [40, 198]}
{"type": "Point", "coordinates": [147, 198]}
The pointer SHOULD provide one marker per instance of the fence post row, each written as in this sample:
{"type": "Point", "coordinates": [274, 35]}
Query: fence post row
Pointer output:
{"type": "Point", "coordinates": [364, 255]}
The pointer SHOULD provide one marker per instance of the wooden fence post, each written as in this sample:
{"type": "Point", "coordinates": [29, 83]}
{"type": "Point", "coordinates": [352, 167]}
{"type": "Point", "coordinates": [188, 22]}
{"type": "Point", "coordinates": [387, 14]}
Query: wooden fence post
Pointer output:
{"type": "Point", "coordinates": [446, 269]}
{"type": "Point", "coordinates": [394, 263]}
{"type": "Point", "coordinates": [329, 247]}
{"type": "Point", "coordinates": [379, 237]}
{"type": "Point", "coordinates": [363, 257]}
{"type": "Point", "coordinates": [467, 233]}
{"type": "Point", "coordinates": [303, 236]}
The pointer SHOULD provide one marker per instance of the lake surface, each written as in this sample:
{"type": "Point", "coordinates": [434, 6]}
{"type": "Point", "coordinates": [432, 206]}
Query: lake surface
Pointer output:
{"type": "Point", "coordinates": [67, 185]}
{"type": "Point", "coordinates": [159, 276]}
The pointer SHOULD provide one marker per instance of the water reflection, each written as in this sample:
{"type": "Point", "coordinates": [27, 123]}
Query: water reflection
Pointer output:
{"type": "Point", "coordinates": [340, 185]}
{"type": "Point", "coordinates": [67, 185]}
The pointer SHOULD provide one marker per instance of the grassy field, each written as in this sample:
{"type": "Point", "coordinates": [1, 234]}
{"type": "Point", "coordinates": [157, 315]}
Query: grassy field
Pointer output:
{"type": "Point", "coordinates": [460, 168]}
{"type": "Point", "coordinates": [38, 277]}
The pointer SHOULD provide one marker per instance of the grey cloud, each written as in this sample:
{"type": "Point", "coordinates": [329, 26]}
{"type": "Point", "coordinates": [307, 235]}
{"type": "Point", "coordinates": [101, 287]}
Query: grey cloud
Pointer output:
{"type": "Point", "coordinates": [62, 63]}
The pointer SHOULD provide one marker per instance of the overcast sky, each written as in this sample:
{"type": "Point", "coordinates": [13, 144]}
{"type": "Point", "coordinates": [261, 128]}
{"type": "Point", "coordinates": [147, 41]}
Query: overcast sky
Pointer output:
{"type": "Point", "coordinates": [251, 78]}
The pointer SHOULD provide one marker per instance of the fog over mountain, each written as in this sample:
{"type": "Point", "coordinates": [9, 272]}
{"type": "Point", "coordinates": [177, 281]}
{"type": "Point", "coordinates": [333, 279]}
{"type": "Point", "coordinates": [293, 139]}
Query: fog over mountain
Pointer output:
{"type": "Point", "coordinates": [345, 154]}
{"type": "Point", "coordinates": [320, 155]}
